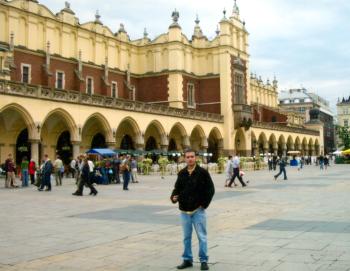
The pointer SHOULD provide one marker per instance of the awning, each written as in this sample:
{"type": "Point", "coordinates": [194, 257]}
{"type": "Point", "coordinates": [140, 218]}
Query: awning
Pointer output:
{"type": "Point", "coordinates": [102, 152]}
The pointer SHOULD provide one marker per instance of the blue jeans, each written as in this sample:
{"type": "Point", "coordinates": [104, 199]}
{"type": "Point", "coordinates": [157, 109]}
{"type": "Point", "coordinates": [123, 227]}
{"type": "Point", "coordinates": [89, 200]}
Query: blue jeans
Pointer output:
{"type": "Point", "coordinates": [197, 220]}
{"type": "Point", "coordinates": [126, 179]}
{"type": "Point", "coordinates": [25, 177]}
{"type": "Point", "coordinates": [282, 170]}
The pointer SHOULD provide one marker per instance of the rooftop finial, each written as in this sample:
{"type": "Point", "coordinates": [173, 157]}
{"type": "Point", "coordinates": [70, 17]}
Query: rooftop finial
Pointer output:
{"type": "Point", "coordinates": [224, 12]}
{"type": "Point", "coordinates": [67, 5]}
{"type": "Point", "coordinates": [122, 28]}
{"type": "Point", "coordinates": [67, 8]}
{"type": "Point", "coordinates": [145, 34]}
{"type": "Point", "coordinates": [175, 15]}
{"type": "Point", "coordinates": [197, 21]}
{"type": "Point", "coordinates": [217, 30]}
{"type": "Point", "coordinates": [98, 17]}
{"type": "Point", "coordinates": [235, 9]}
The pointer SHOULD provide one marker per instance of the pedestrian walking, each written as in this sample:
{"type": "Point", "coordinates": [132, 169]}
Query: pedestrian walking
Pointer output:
{"type": "Point", "coordinates": [32, 169]}
{"type": "Point", "coordinates": [46, 174]}
{"type": "Point", "coordinates": [86, 179]}
{"type": "Point", "coordinates": [235, 164]}
{"type": "Point", "coordinates": [25, 172]}
{"type": "Point", "coordinates": [194, 190]}
{"type": "Point", "coordinates": [282, 165]}
{"type": "Point", "coordinates": [58, 166]}
{"type": "Point", "coordinates": [229, 171]}
{"type": "Point", "coordinates": [321, 161]}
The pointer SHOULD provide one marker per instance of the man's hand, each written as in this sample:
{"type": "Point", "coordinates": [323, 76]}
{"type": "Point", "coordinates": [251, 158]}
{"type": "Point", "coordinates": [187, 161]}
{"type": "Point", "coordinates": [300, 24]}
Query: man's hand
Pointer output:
{"type": "Point", "coordinates": [175, 198]}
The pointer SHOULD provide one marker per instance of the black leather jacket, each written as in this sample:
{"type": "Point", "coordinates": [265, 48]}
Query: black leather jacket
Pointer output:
{"type": "Point", "coordinates": [193, 190]}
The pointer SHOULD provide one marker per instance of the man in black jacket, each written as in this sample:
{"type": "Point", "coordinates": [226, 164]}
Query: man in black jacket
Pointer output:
{"type": "Point", "coordinates": [194, 190]}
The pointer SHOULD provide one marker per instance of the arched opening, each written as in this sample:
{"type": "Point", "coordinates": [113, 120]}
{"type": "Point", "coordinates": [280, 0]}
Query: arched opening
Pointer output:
{"type": "Point", "coordinates": [151, 144]}
{"type": "Point", "coordinates": [262, 144]}
{"type": "Point", "coordinates": [23, 147]}
{"type": "Point", "coordinates": [128, 134]}
{"type": "Point", "coordinates": [254, 143]}
{"type": "Point", "coordinates": [214, 145]}
{"type": "Point", "coordinates": [272, 144]}
{"type": "Point", "coordinates": [58, 127]}
{"type": "Point", "coordinates": [240, 143]}
{"type": "Point", "coordinates": [16, 128]}
{"type": "Point", "coordinates": [281, 146]}
{"type": "Point", "coordinates": [127, 143]}
{"type": "Point", "coordinates": [96, 132]}
{"type": "Point", "coordinates": [290, 144]}
{"type": "Point", "coordinates": [98, 141]}
{"type": "Point", "coordinates": [154, 136]}
{"type": "Point", "coordinates": [178, 135]}
{"type": "Point", "coordinates": [172, 145]}
{"type": "Point", "coordinates": [196, 138]}
{"type": "Point", "coordinates": [64, 147]}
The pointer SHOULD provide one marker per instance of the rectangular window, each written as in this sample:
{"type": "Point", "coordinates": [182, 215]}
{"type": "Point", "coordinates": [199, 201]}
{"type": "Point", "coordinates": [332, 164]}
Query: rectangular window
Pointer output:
{"type": "Point", "coordinates": [239, 88]}
{"type": "Point", "coordinates": [346, 123]}
{"type": "Point", "coordinates": [191, 96]}
{"type": "Point", "coordinates": [114, 89]}
{"type": "Point", "coordinates": [26, 73]}
{"type": "Point", "coordinates": [89, 85]}
{"type": "Point", "coordinates": [60, 80]}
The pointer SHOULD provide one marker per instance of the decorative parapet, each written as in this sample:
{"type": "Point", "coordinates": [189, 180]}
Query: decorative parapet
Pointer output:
{"type": "Point", "coordinates": [282, 128]}
{"type": "Point", "coordinates": [67, 96]}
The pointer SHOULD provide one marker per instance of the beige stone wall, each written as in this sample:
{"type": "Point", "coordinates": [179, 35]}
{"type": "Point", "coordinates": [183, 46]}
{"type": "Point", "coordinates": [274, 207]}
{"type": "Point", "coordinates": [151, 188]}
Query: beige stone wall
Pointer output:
{"type": "Point", "coordinates": [265, 94]}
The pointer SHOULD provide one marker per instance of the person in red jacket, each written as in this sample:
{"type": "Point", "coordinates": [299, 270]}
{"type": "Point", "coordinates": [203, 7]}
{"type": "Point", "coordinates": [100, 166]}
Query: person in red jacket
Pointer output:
{"type": "Point", "coordinates": [32, 169]}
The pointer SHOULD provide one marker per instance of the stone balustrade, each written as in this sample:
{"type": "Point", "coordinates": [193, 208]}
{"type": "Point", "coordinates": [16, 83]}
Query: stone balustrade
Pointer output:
{"type": "Point", "coordinates": [68, 96]}
{"type": "Point", "coordinates": [277, 127]}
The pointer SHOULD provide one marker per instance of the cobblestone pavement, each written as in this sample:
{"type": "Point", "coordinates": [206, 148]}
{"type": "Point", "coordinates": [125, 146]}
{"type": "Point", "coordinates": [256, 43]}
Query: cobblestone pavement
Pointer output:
{"type": "Point", "coordinates": [299, 224]}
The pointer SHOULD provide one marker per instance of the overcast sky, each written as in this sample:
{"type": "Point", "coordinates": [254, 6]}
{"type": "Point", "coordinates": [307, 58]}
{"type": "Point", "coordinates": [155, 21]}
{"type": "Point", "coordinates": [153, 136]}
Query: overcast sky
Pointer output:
{"type": "Point", "coordinates": [303, 42]}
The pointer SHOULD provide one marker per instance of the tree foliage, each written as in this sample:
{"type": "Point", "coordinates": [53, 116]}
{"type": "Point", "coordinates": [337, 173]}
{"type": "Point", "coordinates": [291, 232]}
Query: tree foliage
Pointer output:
{"type": "Point", "coordinates": [344, 136]}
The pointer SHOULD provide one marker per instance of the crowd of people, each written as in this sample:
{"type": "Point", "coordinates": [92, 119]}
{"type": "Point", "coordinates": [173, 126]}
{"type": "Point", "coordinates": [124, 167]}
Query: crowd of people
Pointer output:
{"type": "Point", "coordinates": [85, 171]}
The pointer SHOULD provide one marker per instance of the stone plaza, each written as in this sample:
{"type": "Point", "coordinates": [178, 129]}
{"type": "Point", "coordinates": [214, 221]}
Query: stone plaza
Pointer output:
{"type": "Point", "coordinates": [299, 224]}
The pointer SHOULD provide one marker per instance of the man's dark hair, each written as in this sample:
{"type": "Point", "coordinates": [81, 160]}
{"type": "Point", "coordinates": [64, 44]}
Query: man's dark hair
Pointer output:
{"type": "Point", "coordinates": [190, 150]}
{"type": "Point", "coordinates": [230, 157]}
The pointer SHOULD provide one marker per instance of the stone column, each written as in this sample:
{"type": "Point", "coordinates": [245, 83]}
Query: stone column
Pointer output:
{"type": "Point", "coordinates": [35, 150]}
{"type": "Point", "coordinates": [139, 146]}
{"type": "Point", "coordinates": [76, 149]}
{"type": "Point", "coordinates": [111, 145]}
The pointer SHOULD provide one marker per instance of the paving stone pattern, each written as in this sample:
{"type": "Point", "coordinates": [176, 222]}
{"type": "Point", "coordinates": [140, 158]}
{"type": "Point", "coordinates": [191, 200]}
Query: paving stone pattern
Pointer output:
{"type": "Point", "coordinates": [299, 224]}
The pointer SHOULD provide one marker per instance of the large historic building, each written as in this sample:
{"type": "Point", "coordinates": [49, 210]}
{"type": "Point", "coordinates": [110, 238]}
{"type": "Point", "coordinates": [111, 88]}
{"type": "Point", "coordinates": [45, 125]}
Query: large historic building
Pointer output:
{"type": "Point", "coordinates": [301, 101]}
{"type": "Point", "coordinates": [67, 86]}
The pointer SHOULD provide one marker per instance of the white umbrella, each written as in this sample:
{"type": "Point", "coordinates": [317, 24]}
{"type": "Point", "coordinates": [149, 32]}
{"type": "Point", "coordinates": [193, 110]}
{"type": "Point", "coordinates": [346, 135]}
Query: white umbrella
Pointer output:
{"type": "Point", "coordinates": [337, 152]}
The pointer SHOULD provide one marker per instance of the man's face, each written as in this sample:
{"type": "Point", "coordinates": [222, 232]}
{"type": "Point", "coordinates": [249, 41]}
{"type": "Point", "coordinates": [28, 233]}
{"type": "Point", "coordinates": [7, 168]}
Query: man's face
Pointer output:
{"type": "Point", "coordinates": [190, 158]}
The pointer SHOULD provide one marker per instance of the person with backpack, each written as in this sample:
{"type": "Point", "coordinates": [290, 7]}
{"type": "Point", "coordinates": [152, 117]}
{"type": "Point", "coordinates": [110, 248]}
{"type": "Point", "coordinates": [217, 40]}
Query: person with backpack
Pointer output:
{"type": "Point", "coordinates": [48, 169]}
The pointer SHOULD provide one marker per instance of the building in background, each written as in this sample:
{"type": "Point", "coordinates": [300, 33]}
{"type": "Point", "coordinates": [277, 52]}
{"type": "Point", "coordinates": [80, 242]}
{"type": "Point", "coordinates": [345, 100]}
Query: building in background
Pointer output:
{"type": "Point", "coordinates": [343, 116]}
{"type": "Point", "coordinates": [68, 86]}
{"type": "Point", "coordinates": [301, 101]}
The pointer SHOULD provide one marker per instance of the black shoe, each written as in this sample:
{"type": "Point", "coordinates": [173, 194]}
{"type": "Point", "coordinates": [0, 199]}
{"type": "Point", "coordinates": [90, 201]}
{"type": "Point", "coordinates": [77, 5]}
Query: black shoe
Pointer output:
{"type": "Point", "coordinates": [185, 264]}
{"type": "Point", "coordinates": [47, 189]}
{"type": "Point", "coordinates": [125, 188]}
{"type": "Point", "coordinates": [94, 193]}
{"type": "Point", "coordinates": [204, 266]}
{"type": "Point", "coordinates": [77, 194]}
{"type": "Point", "coordinates": [40, 189]}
